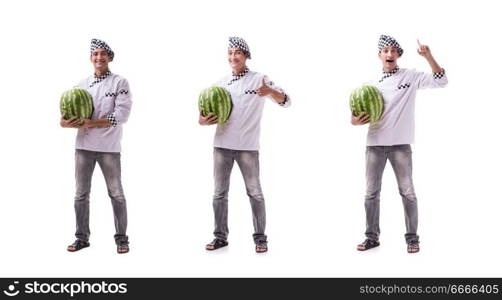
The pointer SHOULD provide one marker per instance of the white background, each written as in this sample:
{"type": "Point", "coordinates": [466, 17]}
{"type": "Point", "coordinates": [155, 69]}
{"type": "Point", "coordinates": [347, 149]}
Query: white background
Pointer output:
{"type": "Point", "coordinates": [312, 159]}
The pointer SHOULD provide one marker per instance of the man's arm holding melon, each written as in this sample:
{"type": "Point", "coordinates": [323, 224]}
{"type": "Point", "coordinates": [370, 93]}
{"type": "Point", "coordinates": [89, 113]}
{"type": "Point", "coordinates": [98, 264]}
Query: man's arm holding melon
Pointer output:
{"type": "Point", "coordinates": [95, 123]}
{"type": "Point", "coordinates": [121, 110]}
{"type": "Point", "coordinates": [84, 123]}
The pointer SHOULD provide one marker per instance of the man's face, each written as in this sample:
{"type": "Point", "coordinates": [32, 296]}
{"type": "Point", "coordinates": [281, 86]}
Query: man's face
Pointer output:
{"type": "Point", "coordinates": [236, 58]}
{"type": "Point", "coordinates": [389, 55]}
{"type": "Point", "coordinates": [100, 58]}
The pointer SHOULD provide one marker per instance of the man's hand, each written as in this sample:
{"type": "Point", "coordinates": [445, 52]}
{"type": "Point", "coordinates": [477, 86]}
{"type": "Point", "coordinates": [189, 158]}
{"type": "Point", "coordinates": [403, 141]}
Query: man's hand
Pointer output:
{"type": "Point", "coordinates": [86, 123]}
{"type": "Point", "coordinates": [361, 119]}
{"type": "Point", "coordinates": [210, 119]}
{"type": "Point", "coordinates": [264, 89]}
{"type": "Point", "coordinates": [424, 50]}
{"type": "Point", "coordinates": [73, 122]}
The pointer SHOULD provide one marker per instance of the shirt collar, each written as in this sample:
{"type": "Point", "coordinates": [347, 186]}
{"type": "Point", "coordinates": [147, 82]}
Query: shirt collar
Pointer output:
{"type": "Point", "coordinates": [238, 76]}
{"type": "Point", "coordinates": [389, 74]}
{"type": "Point", "coordinates": [98, 79]}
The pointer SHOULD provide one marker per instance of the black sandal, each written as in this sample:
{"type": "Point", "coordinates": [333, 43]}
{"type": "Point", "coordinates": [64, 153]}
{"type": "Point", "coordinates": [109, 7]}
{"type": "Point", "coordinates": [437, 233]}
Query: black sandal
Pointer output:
{"type": "Point", "coordinates": [216, 244]}
{"type": "Point", "coordinates": [413, 246]}
{"type": "Point", "coordinates": [78, 245]}
{"type": "Point", "coordinates": [122, 248]}
{"type": "Point", "coordinates": [368, 244]}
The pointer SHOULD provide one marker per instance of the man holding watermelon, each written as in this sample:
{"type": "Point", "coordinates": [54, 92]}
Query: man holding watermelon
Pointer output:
{"type": "Point", "coordinates": [98, 140]}
{"type": "Point", "coordinates": [390, 137]}
{"type": "Point", "coordinates": [237, 140]}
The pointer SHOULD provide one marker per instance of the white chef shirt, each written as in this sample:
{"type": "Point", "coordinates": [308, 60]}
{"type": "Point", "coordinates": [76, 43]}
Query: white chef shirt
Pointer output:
{"type": "Point", "coordinates": [399, 88]}
{"type": "Point", "coordinates": [242, 129]}
{"type": "Point", "coordinates": [111, 98]}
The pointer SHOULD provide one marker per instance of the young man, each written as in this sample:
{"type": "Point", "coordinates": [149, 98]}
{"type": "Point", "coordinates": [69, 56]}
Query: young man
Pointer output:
{"type": "Point", "coordinates": [390, 138]}
{"type": "Point", "coordinates": [98, 140]}
{"type": "Point", "coordinates": [238, 140]}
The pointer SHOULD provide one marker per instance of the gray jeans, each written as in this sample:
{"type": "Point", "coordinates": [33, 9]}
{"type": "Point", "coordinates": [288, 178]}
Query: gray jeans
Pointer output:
{"type": "Point", "coordinates": [400, 159]}
{"type": "Point", "coordinates": [109, 163]}
{"type": "Point", "coordinates": [248, 162]}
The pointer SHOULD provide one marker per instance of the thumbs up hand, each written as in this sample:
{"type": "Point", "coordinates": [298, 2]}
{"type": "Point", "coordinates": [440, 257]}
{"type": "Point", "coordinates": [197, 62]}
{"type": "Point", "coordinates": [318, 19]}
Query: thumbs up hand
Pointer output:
{"type": "Point", "coordinates": [264, 89]}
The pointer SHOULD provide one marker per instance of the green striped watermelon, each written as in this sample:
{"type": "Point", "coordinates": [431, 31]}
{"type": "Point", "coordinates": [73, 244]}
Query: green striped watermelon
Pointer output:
{"type": "Point", "coordinates": [367, 99]}
{"type": "Point", "coordinates": [216, 100]}
{"type": "Point", "coordinates": [76, 103]}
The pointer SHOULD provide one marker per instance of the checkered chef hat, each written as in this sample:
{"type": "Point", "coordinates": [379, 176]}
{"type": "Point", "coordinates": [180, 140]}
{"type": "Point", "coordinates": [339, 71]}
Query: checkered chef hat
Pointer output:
{"type": "Point", "coordinates": [386, 40]}
{"type": "Point", "coordinates": [95, 43]}
{"type": "Point", "coordinates": [237, 42]}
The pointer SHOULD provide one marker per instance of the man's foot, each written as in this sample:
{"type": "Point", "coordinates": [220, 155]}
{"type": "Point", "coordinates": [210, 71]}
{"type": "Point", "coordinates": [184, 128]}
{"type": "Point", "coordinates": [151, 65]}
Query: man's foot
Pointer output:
{"type": "Point", "coordinates": [261, 248]}
{"type": "Point", "coordinates": [122, 248]}
{"type": "Point", "coordinates": [368, 244]}
{"type": "Point", "coordinates": [216, 244]}
{"type": "Point", "coordinates": [78, 245]}
{"type": "Point", "coordinates": [413, 246]}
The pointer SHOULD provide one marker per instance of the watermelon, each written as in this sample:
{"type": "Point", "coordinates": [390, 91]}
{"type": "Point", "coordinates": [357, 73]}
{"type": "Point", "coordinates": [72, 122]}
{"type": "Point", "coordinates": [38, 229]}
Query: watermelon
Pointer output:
{"type": "Point", "coordinates": [367, 99]}
{"type": "Point", "coordinates": [76, 103]}
{"type": "Point", "coordinates": [216, 100]}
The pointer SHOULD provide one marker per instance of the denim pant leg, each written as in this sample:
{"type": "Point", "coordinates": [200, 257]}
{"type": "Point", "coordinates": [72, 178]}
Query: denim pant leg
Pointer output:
{"type": "Point", "coordinates": [376, 159]}
{"type": "Point", "coordinates": [223, 163]}
{"type": "Point", "coordinates": [249, 164]}
{"type": "Point", "coordinates": [84, 167]}
{"type": "Point", "coordinates": [401, 161]}
{"type": "Point", "coordinates": [110, 166]}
